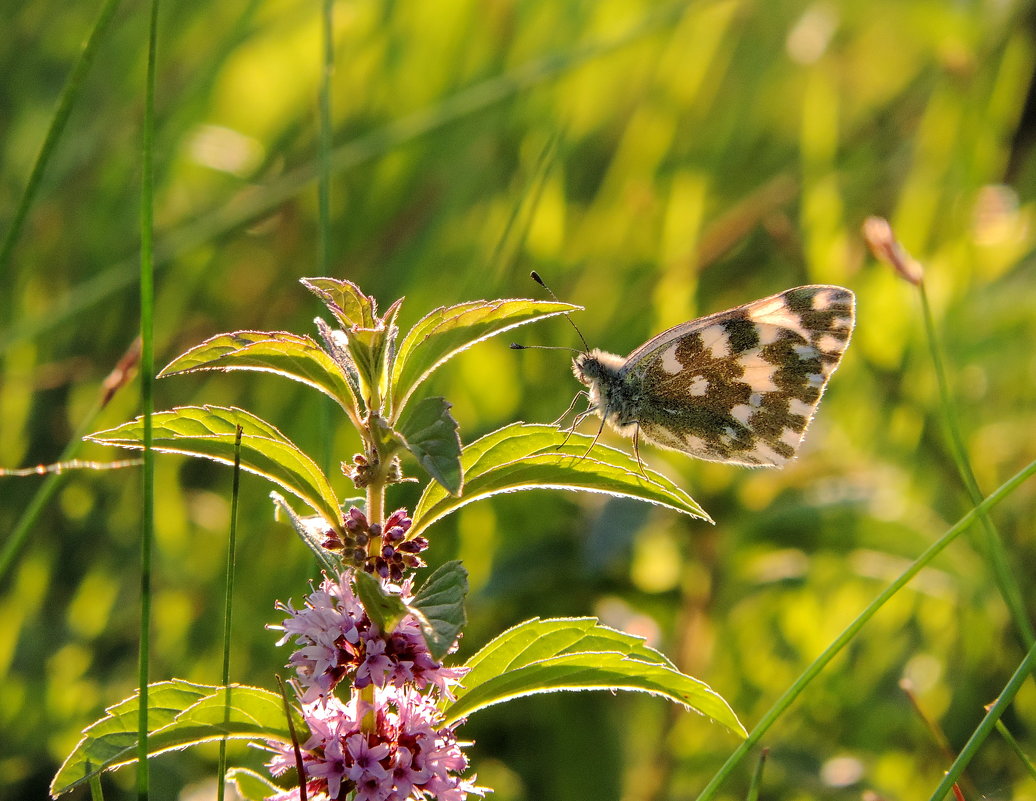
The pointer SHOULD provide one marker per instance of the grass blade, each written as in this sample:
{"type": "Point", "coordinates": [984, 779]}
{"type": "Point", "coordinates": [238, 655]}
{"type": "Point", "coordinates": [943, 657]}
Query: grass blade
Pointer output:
{"type": "Point", "coordinates": [228, 610]}
{"type": "Point", "coordinates": [984, 729]}
{"type": "Point", "coordinates": [843, 639]}
{"type": "Point", "coordinates": [147, 378]}
{"type": "Point", "coordinates": [57, 127]}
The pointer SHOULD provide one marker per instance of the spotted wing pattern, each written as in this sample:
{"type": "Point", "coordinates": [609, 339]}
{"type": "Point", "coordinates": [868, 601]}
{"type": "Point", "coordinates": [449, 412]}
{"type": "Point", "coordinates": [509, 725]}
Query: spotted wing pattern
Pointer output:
{"type": "Point", "coordinates": [741, 386]}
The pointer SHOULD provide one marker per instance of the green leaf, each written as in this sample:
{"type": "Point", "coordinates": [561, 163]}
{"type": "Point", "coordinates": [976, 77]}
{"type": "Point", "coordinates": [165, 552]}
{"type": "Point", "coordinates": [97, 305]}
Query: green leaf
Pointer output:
{"type": "Point", "coordinates": [313, 533]}
{"type": "Point", "coordinates": [180, 714]}
{"type": "Point", "coordinates": [578, 654]}
{"type": "Point", "coordinates": [383, 609]}
{"type": "Point", "coordinates": [447, 331]}
{"type": "Point", "coordinates": [346, 301]}
{"type": "Point", "coordinates": [372, 351]}
{"type": "Point", "coordinates": [252, 786]}
{"type": "Point", "coordinates": [439, 607]}
{"type": "Point", "coordinates": [210, 432]}
{"type": "Point", "coordinates": [537, 639]}
{"type": "Point", "coordinates": [522, 457]}
{"type": "Point", "coordinates": [431, 436]}
{"type": "Point", "coordinates": [290, 355]}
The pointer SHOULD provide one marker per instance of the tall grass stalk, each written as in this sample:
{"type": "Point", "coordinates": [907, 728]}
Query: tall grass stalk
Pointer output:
{"type": "Point", "coordinates": [147, 373]}
{"type": "Point", "coordinates": [324, 183]}
{"type": "Point", "coordinates": [326, 409]}
{"type": "Point", "coordinates": [1013, 743]}
{"type": "Point", "coordinates": [228, 610]}
{"type": "Point", "coordinates": [992, 542]}
{"type": "Point", "coordinates": [227, 215]}
{"type": "Point", "coordinates": [813, 670]}
{"type": "Point", "coordinates": [14, 542]}
{"type": "Point", "coordinates": [985, 728]}
{"type": "Point", "coordinates": [57, 126]}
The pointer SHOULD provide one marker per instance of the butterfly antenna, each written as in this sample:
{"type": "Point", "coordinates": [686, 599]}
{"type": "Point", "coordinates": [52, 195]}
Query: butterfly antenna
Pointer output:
{"type": "Point", "coordinates": [516, 346]}
{"type": "Point", "coordinates": [536, 277]}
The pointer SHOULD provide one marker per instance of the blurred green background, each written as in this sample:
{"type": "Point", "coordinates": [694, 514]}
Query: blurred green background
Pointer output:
{"type": "Point", "coordinates": [653, 163]}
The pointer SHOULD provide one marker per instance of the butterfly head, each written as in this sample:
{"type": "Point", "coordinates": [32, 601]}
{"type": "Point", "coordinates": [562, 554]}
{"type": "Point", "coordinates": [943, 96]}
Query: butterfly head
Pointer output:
{"type": "Point", "coordinates": [601, 373]}
{"type": "Point", "coordinates": [596, 366]}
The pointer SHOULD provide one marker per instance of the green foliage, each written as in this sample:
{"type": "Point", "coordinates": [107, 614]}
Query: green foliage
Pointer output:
{"type": "Point", "coordinates": [210, 432]}
{"type": "Point", "coordinates": [578, 654]}
{"type": "Point", "coordinates": [290, 355]}
{"type": "Point", "coordinates": [654, 164]}
{"type": "Point", "coordinates": [180, 714]}
{"type": "Point", "coordinates": [439, 607]}
{"type": "Point", "coordinates": [509, 459]}
{"type": "Point", "coordinates": [251, 785]}
{"type": "Point", "coordinates": [430, 434]}
{"type": "Point", "coordinates": [446, 332]}
{"type": "Point", "coordinates": [524, 457]}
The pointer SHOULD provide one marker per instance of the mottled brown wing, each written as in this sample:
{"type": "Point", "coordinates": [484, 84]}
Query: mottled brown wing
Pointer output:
{"type": "Point", "coordinates": [741, 386]}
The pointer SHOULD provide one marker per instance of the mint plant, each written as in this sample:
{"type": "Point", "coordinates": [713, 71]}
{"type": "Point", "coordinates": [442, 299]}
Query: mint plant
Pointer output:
{"type": "Point", "coordinates": [375, 702]}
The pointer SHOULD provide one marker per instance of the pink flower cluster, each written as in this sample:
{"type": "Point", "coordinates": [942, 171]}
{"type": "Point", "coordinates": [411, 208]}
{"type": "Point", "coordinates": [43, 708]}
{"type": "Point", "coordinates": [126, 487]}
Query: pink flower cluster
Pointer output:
{"type": "Point", "coordinates": [395, 554]}
{"type": "Point", "coordinates": [393, 749]}
{"type": "Point", "coordinates": [335, 639]}
{"type": "Point", "coordinates": [408, 755]}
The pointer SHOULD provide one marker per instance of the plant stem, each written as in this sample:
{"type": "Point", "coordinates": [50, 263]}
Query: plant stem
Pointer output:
{"type": "Point", "coordinates": [57, 126]}
{"type": "Point", "coordinates": [813, 670]}
{"type": "Point", "coordinates": [324, 182]}
{"type": "Point", "coordinates": [991, 543]}
{"type": "Point", "coordinates": [375, 514]}
{"type": "Point", "coordinates": [984, 729]}
{"type": "Point", "coordinates": [147, 372]}
{"type": "Point", "coordinates": [228, 610]}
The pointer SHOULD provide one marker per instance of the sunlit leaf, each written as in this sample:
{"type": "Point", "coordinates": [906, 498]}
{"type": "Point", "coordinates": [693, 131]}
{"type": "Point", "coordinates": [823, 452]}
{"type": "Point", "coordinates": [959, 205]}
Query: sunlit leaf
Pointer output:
{"type": "Point", "coordinates": [179, 714]}
{"type": "Point", "coordinates": [439, 607]}
{"type": "Point", "coordinates": [346, 301]}
{"type": "Point", "coordinates": [431, 436]}
{"type": "Point", "coordinates": [252, 786]}
{"type": "Point", "coordinates": [290, 355]}
{"type": "Point", "coordinates": [537, 639]}
{"type": "Point", "coordinates": [384, 609]}
{"type": "Point", "coordinates": [523, 457]}
{"type": "Point", "coordinates": [542, 656]}
{"type": "Point", "coordinates": [312, 530]}
{"type": "Point", "coordinates": [210, 432]}
{"type": "Point", "coordinates": [447, 331]}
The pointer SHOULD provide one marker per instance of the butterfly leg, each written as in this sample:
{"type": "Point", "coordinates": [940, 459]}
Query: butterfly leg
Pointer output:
{"type": "Point", "coordinates": [636, 450]}
{"type": "Point", "coordinates": [577, 420]}
{"type": "Point", "coordinates": [571, 406]}
{"type": "Point", "coordinates": [597, 436]}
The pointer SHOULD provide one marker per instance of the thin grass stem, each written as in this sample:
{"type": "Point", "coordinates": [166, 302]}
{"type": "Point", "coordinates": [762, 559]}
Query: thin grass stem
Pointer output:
{"type": "Point", "coordinates": [57, 126]}
{"type": "Point", "coordinates": [1013, 743]}
{"type": "Point", "coordinates": [985, 728]}
{"type": "Point", "coordinates": [992, 542]}
{"type": "Point", "coordinates": [147, 373]}
{"type": "Point", "coordinates": [843, 639]}
{"type": "Point", "coordinates": [227, 216]}
{"type": "Point", "coordinates": [228, 610]}
{"type": "Point", "coordinates": [324, 178]}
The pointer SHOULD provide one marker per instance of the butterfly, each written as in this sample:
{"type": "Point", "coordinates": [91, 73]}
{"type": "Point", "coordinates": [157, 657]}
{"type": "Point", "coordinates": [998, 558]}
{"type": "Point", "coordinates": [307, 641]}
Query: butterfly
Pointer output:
{"type": "Point", "coordinates": [739, 386]}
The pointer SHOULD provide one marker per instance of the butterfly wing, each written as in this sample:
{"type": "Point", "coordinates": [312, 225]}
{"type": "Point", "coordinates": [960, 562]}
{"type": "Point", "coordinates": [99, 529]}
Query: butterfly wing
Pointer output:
{"type": "Point", "coordinates": [741, 386]}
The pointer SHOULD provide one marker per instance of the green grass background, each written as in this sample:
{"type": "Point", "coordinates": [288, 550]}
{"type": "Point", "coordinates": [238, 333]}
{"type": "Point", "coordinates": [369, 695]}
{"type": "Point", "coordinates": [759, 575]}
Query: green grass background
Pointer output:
{"type": "Point", "coordinates": [653, 162]}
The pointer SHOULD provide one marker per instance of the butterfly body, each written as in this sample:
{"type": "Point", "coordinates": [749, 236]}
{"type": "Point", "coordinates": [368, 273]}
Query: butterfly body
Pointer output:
{"type": "Point", "coordinates": [739, 386]}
